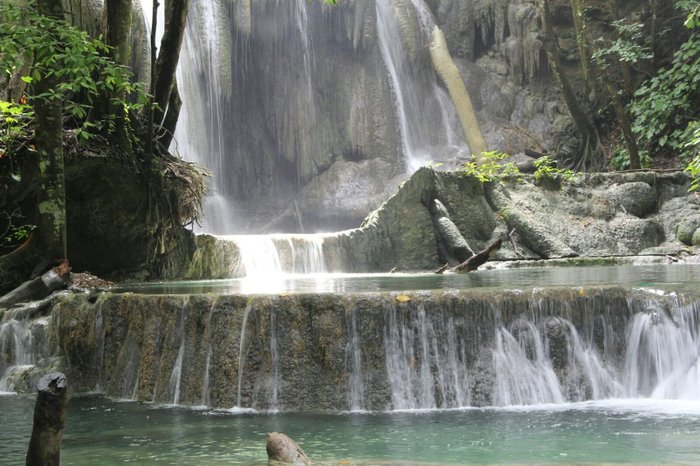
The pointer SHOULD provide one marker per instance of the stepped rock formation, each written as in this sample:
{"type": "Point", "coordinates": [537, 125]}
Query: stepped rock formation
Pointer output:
{"type": "Point", "coordinates": [437, 349]}
{"type": "Point", "coordinates": [592, 216]}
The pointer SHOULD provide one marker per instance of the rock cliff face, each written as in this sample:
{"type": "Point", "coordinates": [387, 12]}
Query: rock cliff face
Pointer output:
{"type": "Point", "coordinates": [307, 114]}
{"type": "Point", "coordinates": [601, 215]}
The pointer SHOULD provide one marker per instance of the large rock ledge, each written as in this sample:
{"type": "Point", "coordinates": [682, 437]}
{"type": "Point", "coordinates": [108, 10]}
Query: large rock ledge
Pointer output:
{"type": "Point", "coordinates": [320, 351]}
{"type": "Point", "coordinates": [592, 216]}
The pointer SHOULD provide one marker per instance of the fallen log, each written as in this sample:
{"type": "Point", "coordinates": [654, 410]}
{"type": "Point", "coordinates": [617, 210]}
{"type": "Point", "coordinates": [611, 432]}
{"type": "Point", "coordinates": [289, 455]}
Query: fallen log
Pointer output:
{"type": "Point", "coordinates": [40, 287]}
{"type": "Point", "coordinates": [479, 259]}
{"type": "Point", "coordinates": [282, 449]}
{"type": "Point", "coordinates": [49, 418]}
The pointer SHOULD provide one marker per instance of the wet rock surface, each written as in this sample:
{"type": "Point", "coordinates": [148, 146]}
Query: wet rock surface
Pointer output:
{"type": "Point", "coordinates": [331, 352]}
{"type": "Point", "coordinates": [591, 216]}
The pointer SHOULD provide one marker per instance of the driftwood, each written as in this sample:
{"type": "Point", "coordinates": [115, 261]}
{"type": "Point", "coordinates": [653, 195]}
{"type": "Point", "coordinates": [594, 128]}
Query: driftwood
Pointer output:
{"type": "Point", "coordinates": [49, 418]}
{"type": "Point", "coordinates": [512, 243]}
{"type": "Point", "coordinates": [40, 287]}
{"type": "Point", "coordinates": [282, 449]}
{"type": "Point", "coordinates": [479, 259]}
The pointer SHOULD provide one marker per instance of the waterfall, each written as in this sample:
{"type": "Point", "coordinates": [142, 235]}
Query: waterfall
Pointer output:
{"type": "Point", "coordinates": [175, 383]}
{"type": "Point", "coordinates": [275, 363]}
{"type": "Point", "coordinates": [202, 80]}
{"type": "Point", "coordinates": [409, 81]}
{"type": "Point", "coordinates": [207, 361]}
{"type": "Point", "coordinates": [242, 354]}
{"type": "Point", "coordinates": [100, 333]}
{"type": "Point", "coordinates": [15, 350]}
{"type": "Point", "coordinates": [269, 256]}
{"type": "Point", "coordinates": [353, 356]}
{"type": "Point", "coordinates": [364, 351]}
{"type": "Point", "coordinates": [662, 355]}
{"type": "Point", "coordinates": [524, 375]}
{"type": "Point", "coordinates": [424, 370]}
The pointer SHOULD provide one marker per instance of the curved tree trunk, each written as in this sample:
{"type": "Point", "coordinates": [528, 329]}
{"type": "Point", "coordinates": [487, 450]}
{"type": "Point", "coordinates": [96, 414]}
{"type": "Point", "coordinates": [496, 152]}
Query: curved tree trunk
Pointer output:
{"type": "Point", "coordinates": [169, 54]}
{"type": "Point", "coordinates": [450, 75]}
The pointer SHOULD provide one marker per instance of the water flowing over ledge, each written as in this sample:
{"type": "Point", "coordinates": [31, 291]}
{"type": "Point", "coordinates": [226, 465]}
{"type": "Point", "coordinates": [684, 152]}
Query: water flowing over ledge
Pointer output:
{"type": "Point", "coordinates": [365, 351]}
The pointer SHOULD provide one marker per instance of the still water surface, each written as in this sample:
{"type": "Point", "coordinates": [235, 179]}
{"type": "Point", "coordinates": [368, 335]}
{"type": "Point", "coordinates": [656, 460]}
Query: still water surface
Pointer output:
{"type": "Point", "coordinates": [676, 276]}
{"type": "Point", "coordinates": [99, 431]}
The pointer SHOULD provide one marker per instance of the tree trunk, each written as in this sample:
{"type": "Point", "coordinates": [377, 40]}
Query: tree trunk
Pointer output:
{"type": "Point", "coordinates": [49, 418]}
{"type": "Point", "coordinates": [169, 54]}
{"type": "Point", "coordinates": [38, 288]}
{"type": "Point", "coordinates": [623, 121]}
{"type": "Point", "coordinates": [479, 259]}
{"type": "Point", "coordinates": [117, 31]}
{"type": "Point", "coordinates": [620, 111]}
{"type": "Point", "coordinates": [150, 113]}
{"type": "Point", "coordinates": [583, 46]}
{"type": "Point", "coordinates": [167, 131]}
{"type": "Point", "coordinates": [591, 156]}
{"type": "Point", "coordinates": [450, 75]}
{"type": "Point", "coordinates": [48, 135]}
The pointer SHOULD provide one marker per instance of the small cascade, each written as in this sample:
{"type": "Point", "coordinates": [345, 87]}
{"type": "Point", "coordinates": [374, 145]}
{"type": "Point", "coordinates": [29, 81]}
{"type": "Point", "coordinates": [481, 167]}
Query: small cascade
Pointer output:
{"type": "Point", "coordinates": [424, 368]}
{"type": "Point", "coordinates": [366, 351]}
{"type": "Point", "coordinates": [523, 373]}
{"type": "Point", "coordinates": [15, 350]}
{"type": "Point", "coordinates": [275, 363]}
{"type": "Point", "coordinates": [100, 333]}
{"type": "Point", "coordinates": [207, 362]}
{"type": "Point", "coordinates": [242, 354]}
{"type": "Point", "coordinates": [269, 256]}
{"type": "Point", "coordinates": [662, 355]}
{"type": "Point", "coordinates": [410, 81]}
{"type": "Point", "coordinates": [353, 355]}
{"type": "Point", "coordinates": [174, 385]}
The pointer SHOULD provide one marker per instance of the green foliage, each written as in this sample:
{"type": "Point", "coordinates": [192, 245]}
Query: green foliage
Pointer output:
{"type": "Point", "coordinates": [14, 125]}
{"type": "Point", "coordinates": [628, 47]}
{"type": "Point", "coordinates": [621, 158]}
{"type": "Point", "coordinates": [12, 233]}
{"type": "Point", "coordinates": [79, 65]}
{"type": "Point", "coordinates": [547, 170]}
{"type": "Point", "coordinates": [667, 102]}
{"type": "Point", "coordinates": [693, 145]}
{"type": "Point", "coordinates": [489, 167]}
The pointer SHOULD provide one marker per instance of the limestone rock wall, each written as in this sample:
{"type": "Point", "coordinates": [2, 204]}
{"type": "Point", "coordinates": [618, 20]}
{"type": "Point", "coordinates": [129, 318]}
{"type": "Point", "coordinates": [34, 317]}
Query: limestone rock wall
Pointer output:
{"type": "Point", "coordinates": [305, 352]}
{"type": "Point", "coordinates": [599, 215]}
{"type": "Point", "coordinates": [372, 351]}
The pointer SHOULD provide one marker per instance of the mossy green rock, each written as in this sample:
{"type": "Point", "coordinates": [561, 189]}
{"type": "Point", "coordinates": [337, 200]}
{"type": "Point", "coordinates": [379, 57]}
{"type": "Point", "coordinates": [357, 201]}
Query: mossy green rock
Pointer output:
{"type": "Point", "coordinates": [686, 232]}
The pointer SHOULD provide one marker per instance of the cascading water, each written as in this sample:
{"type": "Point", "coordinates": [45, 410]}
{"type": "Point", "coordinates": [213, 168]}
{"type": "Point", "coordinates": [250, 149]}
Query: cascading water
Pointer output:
{"type": "Point", "coordinates": [242, 355]}
{"type": "Point", "coordinates": [207, 362]}
{"type": "Point", "coordinates": [374, 351]}
{"type": "Point", "coordinates": [663, 354]}
{"type": "Point", "coordinates": [409, 81]}
{"type": "Point", "coordinates": [356, 389]}
{"type": "Point", "coordinates": [175, 383]}
{"type": "Point", "coordinates": [16, 349]}
{"type": "Point", "coordinates": [275, 363]}
{"type": "Point", "coordinates": [203, 83]}
{"type": "Point", "coordinates": [268, 256]}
